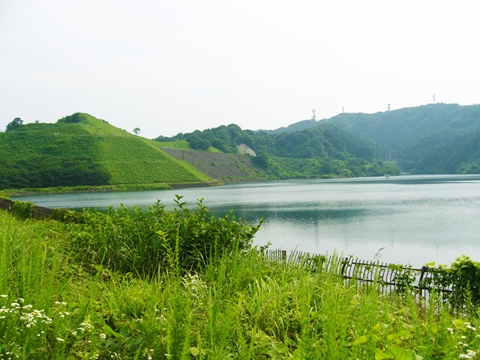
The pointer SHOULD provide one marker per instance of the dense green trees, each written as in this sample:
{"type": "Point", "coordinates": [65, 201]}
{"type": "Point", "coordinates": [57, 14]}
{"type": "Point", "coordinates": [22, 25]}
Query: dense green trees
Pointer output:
{"type": "Point", "coordinates": [429, 139]}
{"type": "Point", "coordinates": [14, 124]}
{"type": "Point", "coordinates": [51, 171]}
{"type": "Point", "coordinates": [321, 150]}
{"type": "Point", "coordinates": [198, 143]}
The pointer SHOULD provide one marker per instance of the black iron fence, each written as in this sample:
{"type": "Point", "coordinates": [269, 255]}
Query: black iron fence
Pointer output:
{"type": "Point", "coordinates": [386, 277]}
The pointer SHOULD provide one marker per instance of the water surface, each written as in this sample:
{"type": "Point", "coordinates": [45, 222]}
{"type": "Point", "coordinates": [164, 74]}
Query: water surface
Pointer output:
{"type": "Point", "coordinates": [414, 219]}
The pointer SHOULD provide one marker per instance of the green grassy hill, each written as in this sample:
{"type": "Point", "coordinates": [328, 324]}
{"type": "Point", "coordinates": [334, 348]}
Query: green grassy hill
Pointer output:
{"type": "Point", "coordinates": [82, 150]}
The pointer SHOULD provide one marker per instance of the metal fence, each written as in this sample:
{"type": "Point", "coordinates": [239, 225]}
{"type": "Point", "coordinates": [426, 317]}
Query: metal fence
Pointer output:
{"type": "Point", "coordinates": [37, 212]}
{"type": "Point", "coordinates": [386, 277]}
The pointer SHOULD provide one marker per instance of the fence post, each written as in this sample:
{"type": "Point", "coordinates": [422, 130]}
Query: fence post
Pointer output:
{"type": "Point", "coordinates": [344, 265]}
{"type": "Point", "coordinates": [421, 289]}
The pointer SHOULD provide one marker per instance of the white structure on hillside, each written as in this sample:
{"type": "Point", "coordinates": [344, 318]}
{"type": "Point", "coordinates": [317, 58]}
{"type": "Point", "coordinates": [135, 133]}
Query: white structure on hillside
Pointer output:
{"type": "Point", "coordinates": [244, 149]}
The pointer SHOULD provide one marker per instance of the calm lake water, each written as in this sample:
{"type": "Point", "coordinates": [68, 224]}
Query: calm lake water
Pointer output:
{"type": "Point", "coordinates": [415, 219]}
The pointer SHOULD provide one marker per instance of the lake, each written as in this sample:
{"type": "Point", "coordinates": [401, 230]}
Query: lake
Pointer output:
{"type": "Point", "coordinates": [413, 219]}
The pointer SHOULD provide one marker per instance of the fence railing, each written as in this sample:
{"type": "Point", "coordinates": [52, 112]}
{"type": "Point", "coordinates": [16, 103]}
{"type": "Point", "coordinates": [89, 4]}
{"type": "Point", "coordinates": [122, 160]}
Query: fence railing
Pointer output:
{"type": "Point", "coordinates": [386, 277]}
{"type": "Point", "coordinates": [36, 212]}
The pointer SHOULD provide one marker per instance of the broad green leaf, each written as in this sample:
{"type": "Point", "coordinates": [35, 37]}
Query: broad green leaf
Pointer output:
{"type": "Point", "coordinates": [361, 340]}
{"type": "Point", "coordinates": [380, 355]}
{"type": "Point", "coordinates": [458, 323]}
{"type": "Point", "coordinates": [399, 353]}
{"type": "Point", "coordinates": [194, 351]}
{"type": "Point", "coordinates": [298, 354]}
{"type": "Point", "coordinates": [109, 330]}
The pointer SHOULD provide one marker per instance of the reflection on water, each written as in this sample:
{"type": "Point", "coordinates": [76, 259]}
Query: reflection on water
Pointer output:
{"type": "Point", "coordinates": [291, 214]}
{"type": "Point", "coordinates": [417, 219]}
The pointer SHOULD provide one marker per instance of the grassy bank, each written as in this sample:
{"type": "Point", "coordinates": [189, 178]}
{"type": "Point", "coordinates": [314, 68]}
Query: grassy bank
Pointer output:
{"type": "Point", "coordinates": [103, 188]}
{"type": "Point", "coordinates": [75, 291]}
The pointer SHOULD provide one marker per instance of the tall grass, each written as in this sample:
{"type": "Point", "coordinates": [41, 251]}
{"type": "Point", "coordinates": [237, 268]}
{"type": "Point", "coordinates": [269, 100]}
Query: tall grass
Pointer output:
{"type": "Point", "coordinates": [30, 258]}
{"type": "Point", "coordinates": [237, 305]}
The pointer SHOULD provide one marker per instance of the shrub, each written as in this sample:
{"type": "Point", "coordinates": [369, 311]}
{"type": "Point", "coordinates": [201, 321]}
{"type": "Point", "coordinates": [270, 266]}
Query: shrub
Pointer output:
{"type": "Point", "coordinates": [148, 242]}
{"type": "Point", "coordinates": [22, 210]}
{"type": "Point", "coordinates": [463, 277]}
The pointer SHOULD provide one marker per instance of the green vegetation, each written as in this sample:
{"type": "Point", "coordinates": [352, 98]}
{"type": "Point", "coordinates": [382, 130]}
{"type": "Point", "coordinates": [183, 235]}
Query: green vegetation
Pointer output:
{"type": "Point", "coordinates": [80, 150]}
{"type": "Point", "coordinates": [183, 285]}
{"type": "Point", "coordinates": [179, 144]}
{"type": "Point", "coordinates": [14, 124]}
{"type": "Point", "coordinates": [321, 151]}
{"type": "Point", "coordinates": [430, 139]}
{"type": "Point", "coordinates": [145, 242]}
{"type": "Point", "coordinates": [84, 188]}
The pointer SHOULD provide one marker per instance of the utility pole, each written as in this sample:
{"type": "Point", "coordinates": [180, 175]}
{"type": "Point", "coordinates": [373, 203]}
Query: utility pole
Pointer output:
{"type": "Point", "coordinates": [313, 116]}
{"type": "Point", "coordinates": [388, 107]}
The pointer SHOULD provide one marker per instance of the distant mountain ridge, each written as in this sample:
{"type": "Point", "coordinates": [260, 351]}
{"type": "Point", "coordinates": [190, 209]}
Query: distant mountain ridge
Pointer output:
{"type": "Point", "coordinates": [298, 126]}
{"type": "Point", "coordinates": [414, 137]}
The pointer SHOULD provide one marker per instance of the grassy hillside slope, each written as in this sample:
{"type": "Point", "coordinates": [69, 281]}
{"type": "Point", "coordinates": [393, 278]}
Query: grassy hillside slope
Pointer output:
{"type": "Point", "coordinates": [83, 150]}
{"type": "Point", "coordinates": [136, 161]}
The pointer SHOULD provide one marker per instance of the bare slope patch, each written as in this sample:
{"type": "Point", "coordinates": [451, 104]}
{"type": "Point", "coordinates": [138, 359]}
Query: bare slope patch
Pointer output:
{"type": "Point", "coordinates": [219, 166]}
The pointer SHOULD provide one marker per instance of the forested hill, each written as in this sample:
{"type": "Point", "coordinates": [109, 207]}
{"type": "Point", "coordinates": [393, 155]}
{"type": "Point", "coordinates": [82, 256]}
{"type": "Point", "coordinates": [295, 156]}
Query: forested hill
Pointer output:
{"type": "Point", "coordinates": [430, 139]}
{"type": "Point", "coordinates": [322, 150]}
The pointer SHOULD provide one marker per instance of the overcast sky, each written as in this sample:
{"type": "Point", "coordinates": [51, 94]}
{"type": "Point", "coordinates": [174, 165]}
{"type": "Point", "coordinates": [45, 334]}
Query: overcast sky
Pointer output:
{"type": "Point", "coordinates": [177, 66]}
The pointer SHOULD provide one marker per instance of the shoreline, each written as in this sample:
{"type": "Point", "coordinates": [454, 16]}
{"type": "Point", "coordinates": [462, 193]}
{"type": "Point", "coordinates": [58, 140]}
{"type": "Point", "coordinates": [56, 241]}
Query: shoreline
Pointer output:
{"type": "Point", "coordinates": [104, 188]}
{"type": "Point", "coordinates": [12, 193]}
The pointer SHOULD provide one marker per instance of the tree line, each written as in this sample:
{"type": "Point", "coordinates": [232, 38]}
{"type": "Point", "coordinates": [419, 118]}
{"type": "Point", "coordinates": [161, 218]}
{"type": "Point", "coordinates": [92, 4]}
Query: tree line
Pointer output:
{"type": "Point", "coordinates": [322, 150]}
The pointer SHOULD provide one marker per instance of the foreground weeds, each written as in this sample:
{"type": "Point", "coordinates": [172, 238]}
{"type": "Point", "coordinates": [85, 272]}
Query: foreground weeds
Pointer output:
{"type": "Point", "coordinates": [56, 305]}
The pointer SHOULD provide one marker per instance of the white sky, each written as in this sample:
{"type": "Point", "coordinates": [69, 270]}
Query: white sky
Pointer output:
{"type": "Point", "coordinates": [170, 66]}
